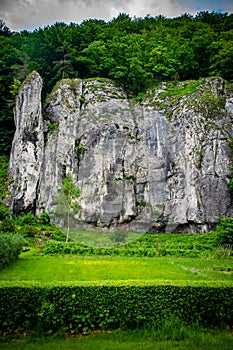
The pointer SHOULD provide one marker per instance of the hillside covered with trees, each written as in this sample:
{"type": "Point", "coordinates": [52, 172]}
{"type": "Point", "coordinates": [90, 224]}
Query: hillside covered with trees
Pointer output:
{"type": "Point", "coordinates": [134, 52]}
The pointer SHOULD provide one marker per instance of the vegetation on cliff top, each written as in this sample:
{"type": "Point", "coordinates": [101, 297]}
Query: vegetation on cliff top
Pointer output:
{"type": "Point", "coordinates": [135, 53]}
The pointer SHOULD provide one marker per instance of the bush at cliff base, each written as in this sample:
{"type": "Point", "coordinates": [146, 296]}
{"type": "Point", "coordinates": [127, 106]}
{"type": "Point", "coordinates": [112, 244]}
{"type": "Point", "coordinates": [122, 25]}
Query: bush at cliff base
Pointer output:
{"type": "Point", "coordinates": [224, 231]}
{"type": "Point", "coordinates": [10, 248]}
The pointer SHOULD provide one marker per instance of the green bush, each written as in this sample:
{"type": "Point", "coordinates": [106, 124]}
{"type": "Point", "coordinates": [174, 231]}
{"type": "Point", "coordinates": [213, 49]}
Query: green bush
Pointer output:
{"type": "Point", "coordinates": [52, 248]}
{"type": "Point", "coordinates": [44, 218]}
{"type": "Point", "coordinates": [224, 231]}
{"type": "Point", "coordinates": [4, 211]}
{"type": "Point", "coordinates": [4, 161]}
{"type": "Point", "coordinates": [27, 219]}
{"type": "Point", "coordinates": [10, 247]}
{"type": "Point", "coordinates": [7, 226]}
{"type": "Point", "coordinates": [29, 231]}
{"type": "Point", "coordinates": [84, 307]}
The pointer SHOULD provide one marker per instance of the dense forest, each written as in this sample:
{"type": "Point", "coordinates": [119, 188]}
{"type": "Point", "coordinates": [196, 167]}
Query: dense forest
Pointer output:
{"type": "Point", "coordinates": [134, 52]}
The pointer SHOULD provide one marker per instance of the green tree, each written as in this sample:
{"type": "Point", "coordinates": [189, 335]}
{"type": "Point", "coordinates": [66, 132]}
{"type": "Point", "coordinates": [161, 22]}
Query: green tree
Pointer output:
{"type": "Point", "coordinates": [63, 68]}
{"type": "Point", "coordinates": [132, 51]}
{"type": "Point", "coordinates": [222, 58]}
{"type": "Point", "coordinates": [7, 58]}
{"type": "Point", "coordinates": [15, 87]}
{"type": "Point", "coordinates": [22, 68]}
{"type": "Point", "coordinates": [66, 202]}
{"type": "Point", "coordinates": [202, 38]}
{"type": "Point", "coordinates": [161, 63]}
{"type": "Point", "coordinates": [95, 58]}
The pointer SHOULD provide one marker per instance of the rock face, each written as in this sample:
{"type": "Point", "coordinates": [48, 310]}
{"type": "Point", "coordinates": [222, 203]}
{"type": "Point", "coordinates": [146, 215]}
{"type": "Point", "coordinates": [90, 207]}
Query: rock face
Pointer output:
{"type": "Point", "coordinates": [158, 165]}
{"type": "Point", "coordinates": [28, 146]}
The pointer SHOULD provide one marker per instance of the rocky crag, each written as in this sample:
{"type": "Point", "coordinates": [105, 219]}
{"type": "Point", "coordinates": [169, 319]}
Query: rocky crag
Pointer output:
{"type": "Point", "coordinates": [160, 163]}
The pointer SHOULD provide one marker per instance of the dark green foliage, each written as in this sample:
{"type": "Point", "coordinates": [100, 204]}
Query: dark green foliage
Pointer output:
{"type": "Point", "coordinates": [85, 307]}
{"type": "Point", "coordinates": [81, 149]}
{"type": "Point", "coordinates": [8, 226]}
{"type": "Point", "coordinates": [29, 230]}
{"type": "Point", "coordinates": [56, 233]}
{"type": "Point", "coordinates": [141, 203]}
{"type": "Point", "coordinates": [28, 225]}
{"type": "Point", "coordinates": [4, 161]}
{"type": "Point", "coordinates": [27, 219]}
{"type": "Point", "coordinates": [230, 185]}
{"type": "Point", "coordinates": [44, 218]}
{"type": "Point", "coordinates": [53, 126]}
{"type": "Point", "coordinates": [135, 53]}
{"type": "Point", "coordinates": [224, 231]}
{"type": "Point", "coordinates": [4, 211]}
{"type": "Point", "coordinates": [82, 98]}
{"type": "Point", "coordinates": [10, 247]}
{"type": "Point", "coordinates": [230, 182]}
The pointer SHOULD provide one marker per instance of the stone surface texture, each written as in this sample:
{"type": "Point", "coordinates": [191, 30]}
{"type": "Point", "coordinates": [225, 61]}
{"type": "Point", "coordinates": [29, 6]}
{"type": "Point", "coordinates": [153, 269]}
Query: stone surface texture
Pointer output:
{"type": "Point", "coordinates": [155, 165]}
{"type": "Point", "coordinates": [27, 147]}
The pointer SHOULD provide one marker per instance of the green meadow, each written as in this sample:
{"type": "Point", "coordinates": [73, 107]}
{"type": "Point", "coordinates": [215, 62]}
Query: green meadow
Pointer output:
{"type": "Point", "coordinates": [43, 268]}
{"type": "Point", "coordinates": [162, 259]}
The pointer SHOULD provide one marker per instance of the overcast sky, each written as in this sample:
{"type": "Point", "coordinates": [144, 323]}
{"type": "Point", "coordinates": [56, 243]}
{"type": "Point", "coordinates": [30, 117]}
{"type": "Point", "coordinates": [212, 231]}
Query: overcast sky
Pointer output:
{"type": "Point", "coordinates": [31, 14]}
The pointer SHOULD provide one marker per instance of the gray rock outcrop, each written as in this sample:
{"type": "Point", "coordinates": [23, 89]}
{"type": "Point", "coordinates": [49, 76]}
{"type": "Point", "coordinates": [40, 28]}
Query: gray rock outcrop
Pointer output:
{"type": "Point", "coordinates": [27, 147]}
{"type": "Point", "coordinates": [161, 164]}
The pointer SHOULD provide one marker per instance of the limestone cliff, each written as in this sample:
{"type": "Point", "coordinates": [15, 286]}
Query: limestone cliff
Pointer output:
{"type": "Point", "coordinates": [28, 146]}
{"type": "Point", "coordinates": [159, 164]}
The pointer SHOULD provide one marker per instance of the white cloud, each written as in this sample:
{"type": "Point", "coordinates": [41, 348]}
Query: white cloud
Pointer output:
{"type": "Point", "coordinates": [168, 8]}
{"type": "Point", "coordinates": [31, 14]}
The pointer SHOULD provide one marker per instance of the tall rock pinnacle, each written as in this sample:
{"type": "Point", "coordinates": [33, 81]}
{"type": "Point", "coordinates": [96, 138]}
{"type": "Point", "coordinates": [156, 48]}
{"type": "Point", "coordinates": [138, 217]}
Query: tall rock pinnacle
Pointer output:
{"type": "Point", "coordinates": [28, 145]}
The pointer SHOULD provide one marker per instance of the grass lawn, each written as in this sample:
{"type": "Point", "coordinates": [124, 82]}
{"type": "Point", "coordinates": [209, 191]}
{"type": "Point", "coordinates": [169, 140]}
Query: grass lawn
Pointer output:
{"type": "Point", "coordinates": [183, 339]}
{"type": "Point", "coordinates": [70, 268]}
{"type": "Point", "coordinates": [33, 267]}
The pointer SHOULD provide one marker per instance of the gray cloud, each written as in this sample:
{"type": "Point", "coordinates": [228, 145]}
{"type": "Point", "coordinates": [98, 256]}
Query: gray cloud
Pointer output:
{"type": "Point", "coordinates": [31, 14]}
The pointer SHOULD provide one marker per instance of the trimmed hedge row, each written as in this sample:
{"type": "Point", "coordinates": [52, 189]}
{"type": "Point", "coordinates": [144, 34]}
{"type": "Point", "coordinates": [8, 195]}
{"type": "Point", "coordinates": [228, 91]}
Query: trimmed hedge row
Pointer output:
{"type": "Point", "coordinates": [84, 307]}
{"type": "Point", "coordinates": [10, 248]}
{"type": "Point", "coordinates": [52, 248]}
